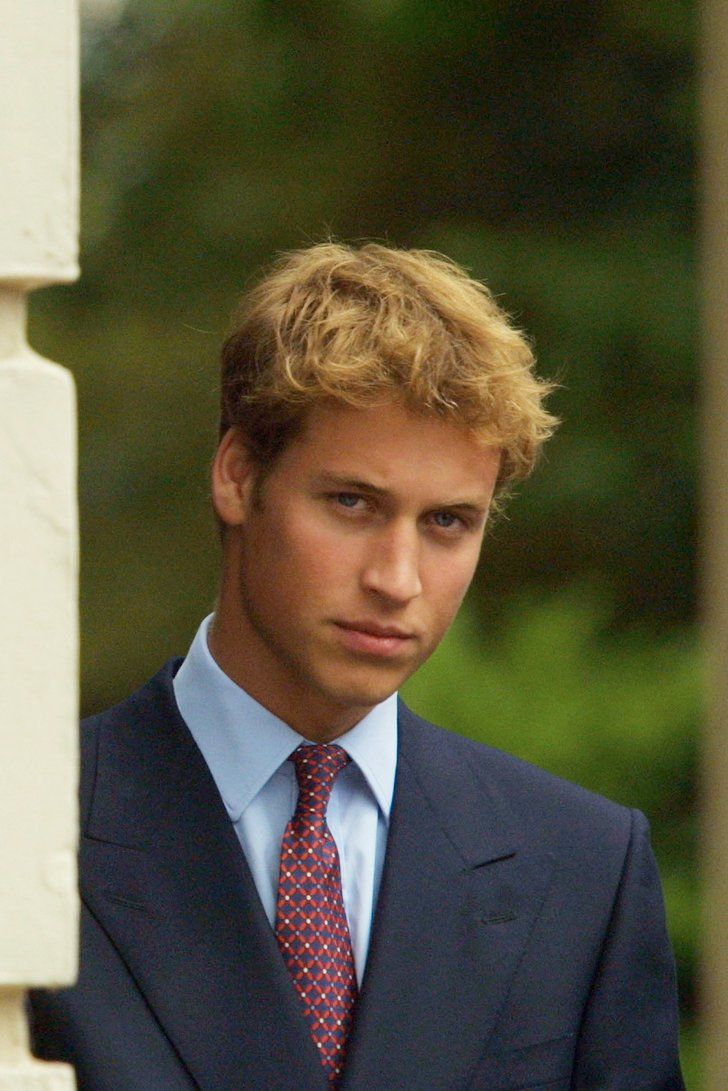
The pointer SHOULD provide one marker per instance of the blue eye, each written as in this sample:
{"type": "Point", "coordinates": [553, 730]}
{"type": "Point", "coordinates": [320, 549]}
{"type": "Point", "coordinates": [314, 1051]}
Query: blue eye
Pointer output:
{"type": "Point", "coordinates": [347, 499]}
{"type": "Point", "coordinates": [445, 519]}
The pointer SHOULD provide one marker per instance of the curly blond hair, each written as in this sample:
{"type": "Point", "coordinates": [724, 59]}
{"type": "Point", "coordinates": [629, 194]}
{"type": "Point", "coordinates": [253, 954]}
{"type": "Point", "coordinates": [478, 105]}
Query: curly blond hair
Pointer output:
{"type": "Point", "coordinates": [363, 325]}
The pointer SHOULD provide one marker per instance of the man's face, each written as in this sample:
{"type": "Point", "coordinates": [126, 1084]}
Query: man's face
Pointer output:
{"type": "Point", "coordinates": [346, 572]}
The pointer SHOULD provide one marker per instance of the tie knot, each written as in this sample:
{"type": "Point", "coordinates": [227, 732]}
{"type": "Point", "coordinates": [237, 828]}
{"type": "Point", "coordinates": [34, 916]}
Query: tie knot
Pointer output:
{"type": "Point", "coordinates": [316, 770]}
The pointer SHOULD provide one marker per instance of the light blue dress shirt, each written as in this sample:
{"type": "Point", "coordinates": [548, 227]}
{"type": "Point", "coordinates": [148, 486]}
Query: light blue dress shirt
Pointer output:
{"type": "Point", "coordinates": [246, 748]}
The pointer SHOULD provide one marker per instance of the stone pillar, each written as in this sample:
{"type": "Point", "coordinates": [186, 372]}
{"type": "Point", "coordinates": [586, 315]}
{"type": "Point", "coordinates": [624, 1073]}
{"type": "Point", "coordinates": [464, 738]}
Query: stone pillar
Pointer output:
{"type": "Point", "coordinates": [715, 533]}
{"type": "Point", "coordinates": [38, 529]}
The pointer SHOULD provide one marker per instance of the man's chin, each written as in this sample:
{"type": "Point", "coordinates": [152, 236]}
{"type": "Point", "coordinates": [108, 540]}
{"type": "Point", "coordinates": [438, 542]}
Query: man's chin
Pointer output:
{"type": "Point", "coordinates": [366, 693]}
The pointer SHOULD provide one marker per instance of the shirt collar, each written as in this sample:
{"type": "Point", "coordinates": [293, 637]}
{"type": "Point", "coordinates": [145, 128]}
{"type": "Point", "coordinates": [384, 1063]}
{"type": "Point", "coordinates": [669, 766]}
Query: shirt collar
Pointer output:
{"type": "Point", "coordinates": [244, 744]}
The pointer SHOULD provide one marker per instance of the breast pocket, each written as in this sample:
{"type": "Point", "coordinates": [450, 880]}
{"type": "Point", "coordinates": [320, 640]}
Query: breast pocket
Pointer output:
{"type": "Point", "coordinates": [545, 1066]}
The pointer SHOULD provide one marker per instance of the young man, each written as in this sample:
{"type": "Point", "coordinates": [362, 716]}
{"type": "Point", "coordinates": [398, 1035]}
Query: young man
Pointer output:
{"type": "Point", "coordinates": [290, 881]}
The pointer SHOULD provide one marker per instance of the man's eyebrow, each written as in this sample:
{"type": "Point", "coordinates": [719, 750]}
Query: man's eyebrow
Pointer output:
{"type": "Point", "coordinates": [341, 481]}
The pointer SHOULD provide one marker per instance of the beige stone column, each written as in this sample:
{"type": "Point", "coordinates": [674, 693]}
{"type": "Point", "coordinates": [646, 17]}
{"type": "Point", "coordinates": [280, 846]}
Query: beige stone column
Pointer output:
{"type": "Point", "coordinates": [38, 529]}
{"type": "Point", "coordinates": [714, 114]}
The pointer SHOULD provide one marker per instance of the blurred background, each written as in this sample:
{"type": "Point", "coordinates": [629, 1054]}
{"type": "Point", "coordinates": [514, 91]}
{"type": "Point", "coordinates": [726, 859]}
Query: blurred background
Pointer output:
{"type": "Point", "coordinates": [547, 146]}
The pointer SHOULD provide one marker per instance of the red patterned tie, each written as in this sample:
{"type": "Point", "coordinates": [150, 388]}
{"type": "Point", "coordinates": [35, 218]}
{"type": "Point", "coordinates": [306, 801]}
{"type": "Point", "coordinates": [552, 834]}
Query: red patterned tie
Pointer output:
{"type": "Point", "coordinates": [311, 925]}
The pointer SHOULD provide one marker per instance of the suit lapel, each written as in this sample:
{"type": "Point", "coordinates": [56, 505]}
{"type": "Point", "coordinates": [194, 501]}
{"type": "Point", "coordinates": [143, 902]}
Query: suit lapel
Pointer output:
{"type": "Point", "coordinates": [163, 872]}
{"type": "Point", "coordinates": [458, 899]}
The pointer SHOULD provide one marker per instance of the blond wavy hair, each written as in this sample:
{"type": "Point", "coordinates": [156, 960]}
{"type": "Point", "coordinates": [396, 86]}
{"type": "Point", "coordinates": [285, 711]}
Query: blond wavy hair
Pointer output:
{"type": "Point", "coordinates": [367, 324]}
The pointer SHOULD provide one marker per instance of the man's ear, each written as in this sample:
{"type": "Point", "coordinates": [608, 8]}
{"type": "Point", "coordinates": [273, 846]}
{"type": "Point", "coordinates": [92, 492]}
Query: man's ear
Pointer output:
{"type": "Point", "coordinates": [233, 478]}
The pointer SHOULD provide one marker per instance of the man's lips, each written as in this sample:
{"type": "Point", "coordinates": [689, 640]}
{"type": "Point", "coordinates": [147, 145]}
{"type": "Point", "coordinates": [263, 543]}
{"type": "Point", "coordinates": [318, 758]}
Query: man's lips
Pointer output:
{"type": "Point", "coordinates": [374, 639]}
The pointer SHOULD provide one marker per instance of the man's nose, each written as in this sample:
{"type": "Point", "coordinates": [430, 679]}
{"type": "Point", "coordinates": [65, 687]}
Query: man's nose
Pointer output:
{"type": "Point", "coordinates": [392, 569]}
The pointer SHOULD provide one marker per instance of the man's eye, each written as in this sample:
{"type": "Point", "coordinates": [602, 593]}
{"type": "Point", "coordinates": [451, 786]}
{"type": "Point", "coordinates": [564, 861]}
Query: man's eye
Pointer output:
{"type": "Point", "coordinates": [446, 520]}
{"type": "Point", "coordinates": [347, 499]}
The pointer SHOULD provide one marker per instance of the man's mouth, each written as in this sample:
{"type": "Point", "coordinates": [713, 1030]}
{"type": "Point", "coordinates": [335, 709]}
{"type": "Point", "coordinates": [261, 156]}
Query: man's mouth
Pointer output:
{"type": "Point", "coordinates": [373, 638]}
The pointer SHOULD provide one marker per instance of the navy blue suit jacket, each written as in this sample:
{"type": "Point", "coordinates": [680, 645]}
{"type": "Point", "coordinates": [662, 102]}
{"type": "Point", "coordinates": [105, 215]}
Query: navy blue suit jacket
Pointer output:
{"type": "Point", "coordinates": [519, 940]}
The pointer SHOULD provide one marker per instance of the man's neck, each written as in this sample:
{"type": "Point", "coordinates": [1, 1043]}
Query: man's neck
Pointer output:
{"type": "Point", "coordinates": [245, 659]}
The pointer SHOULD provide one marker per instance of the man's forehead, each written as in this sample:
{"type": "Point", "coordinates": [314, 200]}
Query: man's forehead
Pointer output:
{"type": "Point", "coordinates": [391, 419]}
{"type": "Point", "coordinates": [389, 447]}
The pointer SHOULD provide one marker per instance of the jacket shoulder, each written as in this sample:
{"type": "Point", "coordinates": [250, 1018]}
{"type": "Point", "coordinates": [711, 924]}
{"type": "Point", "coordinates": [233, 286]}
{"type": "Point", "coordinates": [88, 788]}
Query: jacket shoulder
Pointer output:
{"type": "Point", "coordinates": [537, 798]}
{"type": "Point", "coordinates": [152, 704]}
{"type": "Point", "coordinates": [156, 691]}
